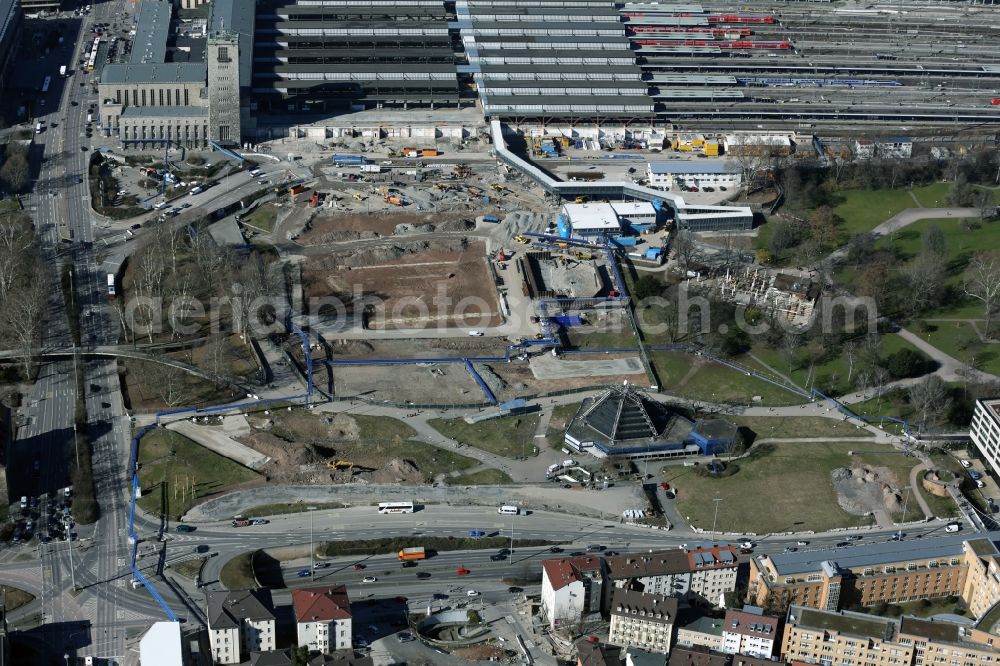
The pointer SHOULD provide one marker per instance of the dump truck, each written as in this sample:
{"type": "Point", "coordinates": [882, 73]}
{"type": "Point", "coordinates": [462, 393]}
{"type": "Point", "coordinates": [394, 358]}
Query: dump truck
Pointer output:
{"type": "Point", "coordinates": [393, 199]}
{"type": "Point", "coordinates": [410, 554]}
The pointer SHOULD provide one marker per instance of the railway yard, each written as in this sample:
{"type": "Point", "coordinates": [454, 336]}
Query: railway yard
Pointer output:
{"type": "Point", "coordinates": [718, 66]}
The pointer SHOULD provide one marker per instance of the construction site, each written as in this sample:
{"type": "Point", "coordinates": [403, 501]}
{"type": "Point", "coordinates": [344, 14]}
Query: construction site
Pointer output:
{"type": "Point", "coordinates": [787, 294]}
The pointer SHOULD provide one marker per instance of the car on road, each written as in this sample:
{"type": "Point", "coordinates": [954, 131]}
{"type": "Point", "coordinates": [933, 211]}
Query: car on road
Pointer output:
{"type": "Point", "coordinates": [790, 549]}
{"type": "Point", "coordinates": [555, 549]}
{"type": "Point", "coordinates": [369, 579]}
{"type": "Point", "coordinates": [980, 484]}
{"type": "Point", "coordinates": [595, 548]}
{"type": "Point", "coordinates": [746, 544]}
{"type": "Point", "coordinates": [974, 475]}
{"type": "Point", "coordinates": [476, 334]}
{"type": "Point", "coordinates": [841, 544]}
{"type": "Point", "coordinates": [801, 543]}
{"type": "Point", "coordinates": [259, 521]}
{"type": "Point", "coordinates": [404, 637]}
{"type": "Point", "coordinates": [952, 527]}
{"type": "Point", "coordinates": [577, 553]}
{"type": "Point", "coordinates": [321, 565]}
{"type": "Point", "coordinates": [423, 574]}
{"type": "Point", "coordinates": [373, 628]}
{"type": "Point", "coordinates": [303, 573]}
{"type": "Point", "coordinates": [476, 533]}
{"type": "Point", "coordinates": [79, 180]}
{"type": "Point", "coordinates": [462, 571]}
{"type": "Point", "coordinates": [184, 528]}
{"type": "Point", "coordinates": [472, 593]}
{"type": "Point", "coordinates": [359, 567]}
{"type": "Point", "coordinates": [497, 558]}
{"type": "Point", "coordinates": [185, 205]}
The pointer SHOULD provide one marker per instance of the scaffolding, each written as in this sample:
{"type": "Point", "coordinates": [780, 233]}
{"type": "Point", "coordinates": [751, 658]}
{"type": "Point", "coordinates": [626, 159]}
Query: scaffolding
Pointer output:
{"type": "Point", "coordinates": [792, 298]}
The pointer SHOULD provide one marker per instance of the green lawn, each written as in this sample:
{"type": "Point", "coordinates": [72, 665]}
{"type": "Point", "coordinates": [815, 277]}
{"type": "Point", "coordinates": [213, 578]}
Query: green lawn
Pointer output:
{"type": "Point", "coordinates": [176, 472]}
{"type": "Point", "coordinates": [934, 195]}
{"type": "Point", "coordinates": [863, 210]}
{"type": "Point", "coordinates": [237, 573]}
{"type": "Point", "coordinates": [485, 477]}
{"type": "Point", "coordinates": [263, 217]}
{"type": "Point", "coordinates": [509, 436]}
{"type": "Point", "coordinates": [960, 340]}
{"type": "Point", "coordinates": [783, 487]}
{"type": "Point", "coordinates": [831, 374]}
{"type": "Point", "coordinates": [717, 383]}
{"type": "Point", "coordinates": [15, 597]}
{"type": "Point", "coordinates": [797, 426]}
{"type": "Point", "coordinates": [558, 422]}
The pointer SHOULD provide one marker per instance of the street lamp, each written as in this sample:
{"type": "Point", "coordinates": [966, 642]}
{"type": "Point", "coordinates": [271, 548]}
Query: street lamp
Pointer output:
{"type": "Point", "coordinates": [311, 509]}
{"type": "Point", "coordinates": [906, 498]}
{"type": "Point", "coordinates": [717, 500]}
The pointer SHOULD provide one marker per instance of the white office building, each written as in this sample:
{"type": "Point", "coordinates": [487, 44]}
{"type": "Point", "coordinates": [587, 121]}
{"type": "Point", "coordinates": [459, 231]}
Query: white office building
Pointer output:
{"type": "Point", "coordinates": [695, 175]}
{"type": "Point", "coordinates": [985, 431]}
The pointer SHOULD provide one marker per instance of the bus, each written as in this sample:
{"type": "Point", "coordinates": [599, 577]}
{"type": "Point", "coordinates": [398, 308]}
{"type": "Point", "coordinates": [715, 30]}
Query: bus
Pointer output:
{"type": "Point", "coordinates": [111, 286]}
{"type": "Point", "coordinates": [92, 58]}
{"type": "Point", "coordinates": [508, 510]}
{"type": "Point", "coordinates": [46, 83]}
{"type": "Point", "coordinates": [395, 507]}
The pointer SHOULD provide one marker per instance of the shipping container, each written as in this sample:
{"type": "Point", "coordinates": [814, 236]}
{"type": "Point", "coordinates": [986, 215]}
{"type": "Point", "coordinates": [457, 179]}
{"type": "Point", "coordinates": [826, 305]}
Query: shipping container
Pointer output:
{"type": "Point", "coordinates": [371, 168]}
{"type": "Point", "coordinates": [429, 152]}
{"type": "Point", "coordinates": [297, 189]}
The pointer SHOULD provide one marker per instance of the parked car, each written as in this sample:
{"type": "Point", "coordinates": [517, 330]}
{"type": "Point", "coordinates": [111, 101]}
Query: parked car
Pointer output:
{"type": "Point", "coordinates": [472, 593]}
{"type": "Point", "coordinates": [746, 544]}
{"type": "Point", "coordinates": [965, 463]}
{"type": "Point", "coordinates": [975, 475]}
{"type": "Point", "coordinates": [184, 528]}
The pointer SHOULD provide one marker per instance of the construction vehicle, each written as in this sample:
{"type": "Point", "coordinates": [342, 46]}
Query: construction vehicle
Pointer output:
{"type": "Point", "coordinates": [394, 200]}
{"type": "Point", "coordinates": [339, 464]}
{"type": "Point", "coordinates": [410, 554]}
{"type": "Point", "coordinates": [583, 256]}
{"type": "Point", "coordinates": [521, 239]}
{"type": "Point", "coordinates": [497, 187]}
{"type": "Point", "coordinates": [358, 196]}
{"type": "Point", "coordinates": [581, 200]}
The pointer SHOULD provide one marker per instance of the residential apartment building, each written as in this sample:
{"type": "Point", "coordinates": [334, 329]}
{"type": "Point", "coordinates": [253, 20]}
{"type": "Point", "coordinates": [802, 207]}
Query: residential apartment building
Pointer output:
{"type": "Point", "coordinates": [10, 30]}
{"type": "Point", "coordinates": [843, 638]}
{"type": "Point", "coordinates": [750, 632]}
{"type": "Point", "coordinates": [642, 620]}
{"type": "Point", "coordinates": [239, 622]}
{"type": "Point", "coordinates": [893, 572]}
{"type": "Point", "coordinates": [985, 431]}
{"type": "Point", "coordinates": [701, 631]}
{"type": "Point", "coordinates": [323, 618]}
{"type": "Point", "coordinates": [942, 643]}
{"type": "Point", "coordinates": [571, 589]}
{"type": "Point", "coordinates": [697, 656]}
{"type": "Point", "coordinates": [701, 575]}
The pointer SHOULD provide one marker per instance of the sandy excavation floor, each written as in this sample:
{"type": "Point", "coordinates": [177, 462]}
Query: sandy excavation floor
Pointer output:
{"type": "Point", "coordinates": [415, 284]}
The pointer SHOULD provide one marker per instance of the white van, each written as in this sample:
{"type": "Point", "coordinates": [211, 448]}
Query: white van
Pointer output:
{"type": "Point", "coordinates": [509, 510]}
{"type": "Point", "coordinates": [38, 128]}
{"type": "Point", "coordinates": [952, 527]}
{"type": "Point", "coordinates": [569, 462]}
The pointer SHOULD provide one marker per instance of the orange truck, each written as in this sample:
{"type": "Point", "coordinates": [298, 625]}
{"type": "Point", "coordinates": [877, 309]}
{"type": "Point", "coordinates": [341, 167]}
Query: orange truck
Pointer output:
{"type": "Point", "coordinates": [409, 554]}
{"type": "Point", "coordinates": [429, 152]}
{"type": "Point", "coordinates": [297, 189]}
{"type": "Point", "coordinates": [393, 199]}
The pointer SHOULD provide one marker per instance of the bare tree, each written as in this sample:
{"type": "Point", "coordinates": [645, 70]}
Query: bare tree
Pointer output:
{"type": "Point", "coordinates": [982, 283]}
{"type": "Point", "coordinates": [850, 351]}
{"type": "Point", "coordinates": [929, 400]}
{"type": "Point", "coordinates": [16, 240]}
{"type": "Point", "coordinates": [24, 312]}
{"type": "Point", "coordinates": [684, 248]}
{"type": "Point", "coordinates": [751, 157]}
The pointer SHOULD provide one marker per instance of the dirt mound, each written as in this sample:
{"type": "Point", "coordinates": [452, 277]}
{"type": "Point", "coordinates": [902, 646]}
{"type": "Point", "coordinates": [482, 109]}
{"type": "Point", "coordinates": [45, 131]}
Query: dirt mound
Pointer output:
{"type": "Point", "coordinates": [341, 236]}
{"type": "Point", "coordinates": [862, 489]}
{"type": "Point", "coordinates": [345, 347]}
{"type": "Point", "coordinates": [397, 471]}
{"type": "Point", "coordinates": [403, 229]}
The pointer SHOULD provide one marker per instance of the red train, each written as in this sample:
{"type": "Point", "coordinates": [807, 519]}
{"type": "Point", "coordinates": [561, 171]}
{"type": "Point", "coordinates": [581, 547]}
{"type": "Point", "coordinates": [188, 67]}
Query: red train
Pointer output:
{"type": "Point", "coordinates": [743, 32]}
{"type": "Point", "coordinates": [711, 18]}
{"type": "Point", "coordinates": [995, 101]}
{"type": "Point", "coordinates": [739, 44]}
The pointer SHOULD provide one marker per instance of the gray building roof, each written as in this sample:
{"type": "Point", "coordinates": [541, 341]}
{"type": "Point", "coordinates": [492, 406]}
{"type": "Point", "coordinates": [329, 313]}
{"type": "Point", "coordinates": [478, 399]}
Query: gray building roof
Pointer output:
{"type": "Point", "coordinates": [174, 72]}
{"type": "Point", "coordinates": [694, 166]}
{"type": "Point", "coordinates": [227, 609]}
{"type": "Point", "coordinates": [236, 16]}
{"type": "Point", "coordinates": [844, 622]}
{"type": "Point", "coordinates": [272, 658]}
{"type": "Point", "coordinates": [152, 27]}
{"type": "Point", "coordinates": [165, 112]}
{"type": "Point", "coordinates": [874, 554]}
{"type": "Point", "coordinates": [653, 607]}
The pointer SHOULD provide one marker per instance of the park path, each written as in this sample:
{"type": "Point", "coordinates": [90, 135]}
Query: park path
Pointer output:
{"type": "Point", "coordinates": [915, 199]}
{"type": "Point", "coordinates": [904, 219]}
{"type": "Point", "coordinates": [915, 477]}
{"type": "Point", "coordinates": [949, 368]}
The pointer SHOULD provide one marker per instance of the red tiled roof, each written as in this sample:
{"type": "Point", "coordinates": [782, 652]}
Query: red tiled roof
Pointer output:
{"type": "Point", "coordinates": [567, 570]}
{"type": "Point", "coordinates": [716, 554]}
{"type": "Point", "coordinates": [317, 604]}
{"type": "Point", "coordinates": [751, 624]}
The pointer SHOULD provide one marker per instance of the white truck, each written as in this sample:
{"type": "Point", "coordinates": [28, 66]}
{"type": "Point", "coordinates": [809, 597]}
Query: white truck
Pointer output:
{"type": "Point", "coordinates": [62, 70]}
